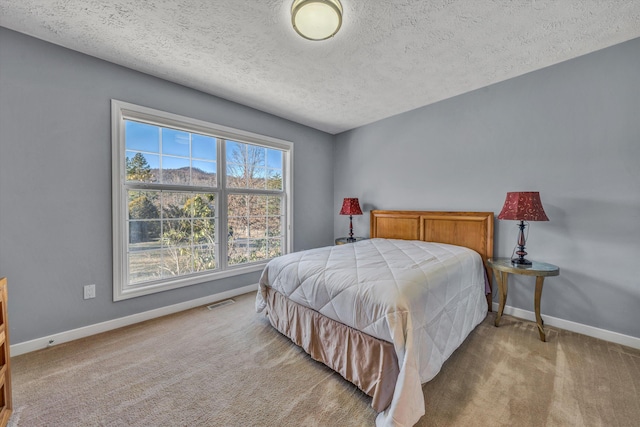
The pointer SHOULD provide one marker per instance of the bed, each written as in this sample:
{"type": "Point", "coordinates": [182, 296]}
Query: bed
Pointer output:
{"type": "Point", "coordinates": [386, 312]}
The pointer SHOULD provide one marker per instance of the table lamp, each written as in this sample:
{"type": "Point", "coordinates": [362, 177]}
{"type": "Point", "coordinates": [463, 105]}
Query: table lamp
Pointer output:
{"type": "Point", "coordinates": [350, 206]}
{"type": "Point", "coordinates": [522, 206]}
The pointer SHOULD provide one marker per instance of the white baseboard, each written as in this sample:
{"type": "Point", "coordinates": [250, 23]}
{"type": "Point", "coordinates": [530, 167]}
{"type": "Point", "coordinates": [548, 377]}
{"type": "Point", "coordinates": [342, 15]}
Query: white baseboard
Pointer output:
{"type": "Point", "coordinates": [591, 331]}
{"type": "Point", "coordinates": [74, 334]}
{"type": "Point", "coordinates": [85, 331]}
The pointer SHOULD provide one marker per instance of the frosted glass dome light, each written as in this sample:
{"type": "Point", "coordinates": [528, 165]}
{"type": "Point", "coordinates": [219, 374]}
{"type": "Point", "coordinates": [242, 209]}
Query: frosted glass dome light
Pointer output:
{"type": "Point", "coordinates": [316, 19]}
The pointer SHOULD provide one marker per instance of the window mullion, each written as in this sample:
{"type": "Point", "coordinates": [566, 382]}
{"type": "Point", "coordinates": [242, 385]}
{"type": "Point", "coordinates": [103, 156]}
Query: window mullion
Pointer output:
{"type": "Point", "coordinates": [223, 214]}
{"type": "Point", "coordinates": [168, 187]}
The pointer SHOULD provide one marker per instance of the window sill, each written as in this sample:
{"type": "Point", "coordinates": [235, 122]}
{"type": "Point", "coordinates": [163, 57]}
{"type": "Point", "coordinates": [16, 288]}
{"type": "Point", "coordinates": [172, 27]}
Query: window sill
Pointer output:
{"type": "Point", "coordinates": [133, 292]}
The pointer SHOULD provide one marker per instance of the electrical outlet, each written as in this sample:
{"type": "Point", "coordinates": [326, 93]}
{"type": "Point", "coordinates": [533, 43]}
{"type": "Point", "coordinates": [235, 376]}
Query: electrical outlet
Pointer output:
{"type": "Point", "coordinates": [89, 291]}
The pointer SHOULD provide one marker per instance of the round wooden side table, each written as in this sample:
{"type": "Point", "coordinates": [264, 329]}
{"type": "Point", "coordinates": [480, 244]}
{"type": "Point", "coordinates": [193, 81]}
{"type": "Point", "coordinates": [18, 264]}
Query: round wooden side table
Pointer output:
{"type": "Point", "coordinates": [345, 240]}
{"type": "Point", "coordinates": [503, 266]}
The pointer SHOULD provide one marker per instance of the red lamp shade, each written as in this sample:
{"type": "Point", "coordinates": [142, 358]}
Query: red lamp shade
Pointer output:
{"type": "Point", "coordinates": [350, 207]}
{"type": "Point", "coordinates": [523, 206]}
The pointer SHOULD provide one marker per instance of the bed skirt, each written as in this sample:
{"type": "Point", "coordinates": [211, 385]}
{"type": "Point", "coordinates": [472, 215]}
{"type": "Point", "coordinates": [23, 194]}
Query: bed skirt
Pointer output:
{"type": "Point", "coordinates": [369, 363]}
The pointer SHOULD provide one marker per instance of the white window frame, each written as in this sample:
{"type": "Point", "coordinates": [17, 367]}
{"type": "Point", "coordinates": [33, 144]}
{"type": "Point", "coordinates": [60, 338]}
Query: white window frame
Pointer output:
{"type": "Point", "coordinates": [121, 111]}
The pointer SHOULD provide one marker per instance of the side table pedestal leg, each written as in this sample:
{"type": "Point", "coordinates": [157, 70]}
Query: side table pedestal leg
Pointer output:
{"type": "Point", "coordinates": [539, 282]}
{"type": "Point", "coordinates": [502, 278]}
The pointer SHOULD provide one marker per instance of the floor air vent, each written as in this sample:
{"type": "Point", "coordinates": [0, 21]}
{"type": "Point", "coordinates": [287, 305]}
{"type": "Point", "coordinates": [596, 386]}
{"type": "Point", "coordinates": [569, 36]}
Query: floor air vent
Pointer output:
{"type": "Point", "coordinates": [220, 304]}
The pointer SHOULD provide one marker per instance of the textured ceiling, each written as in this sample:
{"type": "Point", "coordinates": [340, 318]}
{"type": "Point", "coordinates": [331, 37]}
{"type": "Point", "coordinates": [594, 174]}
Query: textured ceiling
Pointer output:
{"type": "Point", "coordinates": [388, 58]}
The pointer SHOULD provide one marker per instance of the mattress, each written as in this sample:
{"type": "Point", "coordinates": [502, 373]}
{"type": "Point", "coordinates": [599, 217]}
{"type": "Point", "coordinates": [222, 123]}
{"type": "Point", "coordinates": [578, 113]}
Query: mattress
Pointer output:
{"type": "Point", "coordinates": [423, 298]}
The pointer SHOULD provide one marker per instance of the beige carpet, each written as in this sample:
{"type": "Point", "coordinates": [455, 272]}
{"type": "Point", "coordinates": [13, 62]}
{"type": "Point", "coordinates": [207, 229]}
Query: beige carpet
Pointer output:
{"type": "Point", "coordinates": [229, 367]}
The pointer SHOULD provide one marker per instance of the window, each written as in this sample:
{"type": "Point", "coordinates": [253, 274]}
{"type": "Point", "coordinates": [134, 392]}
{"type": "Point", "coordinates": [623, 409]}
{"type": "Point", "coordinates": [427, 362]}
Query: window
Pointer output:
{"type": "Point", "coordinates": [193, 201]}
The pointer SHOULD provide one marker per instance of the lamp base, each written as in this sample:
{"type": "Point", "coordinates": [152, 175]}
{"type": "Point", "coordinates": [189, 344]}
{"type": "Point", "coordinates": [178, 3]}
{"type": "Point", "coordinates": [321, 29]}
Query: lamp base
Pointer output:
{"type": "Point", "coordinates": [521, 252]}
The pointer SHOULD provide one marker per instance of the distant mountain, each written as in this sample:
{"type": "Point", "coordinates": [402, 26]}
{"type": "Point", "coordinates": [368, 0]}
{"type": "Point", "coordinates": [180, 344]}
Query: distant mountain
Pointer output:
{"type": "Point", "coordinates": [181, 176]}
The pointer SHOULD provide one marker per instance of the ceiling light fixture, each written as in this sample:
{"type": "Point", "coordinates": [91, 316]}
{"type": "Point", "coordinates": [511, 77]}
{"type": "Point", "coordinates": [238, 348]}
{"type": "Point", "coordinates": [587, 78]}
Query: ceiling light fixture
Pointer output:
{"type": "Point", "coordinates": [316, 19]}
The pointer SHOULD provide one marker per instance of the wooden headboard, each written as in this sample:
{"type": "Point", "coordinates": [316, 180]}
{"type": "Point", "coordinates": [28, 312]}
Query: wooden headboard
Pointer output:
{"type": "Point", "coordinates": [473, 230]}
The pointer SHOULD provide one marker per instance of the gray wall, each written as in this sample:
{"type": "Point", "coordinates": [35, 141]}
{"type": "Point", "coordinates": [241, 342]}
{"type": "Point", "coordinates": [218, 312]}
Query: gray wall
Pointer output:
{"type": "Point", "coordinates": [55, 181]}
{"type": "Point", "coordinates": [570, 131]}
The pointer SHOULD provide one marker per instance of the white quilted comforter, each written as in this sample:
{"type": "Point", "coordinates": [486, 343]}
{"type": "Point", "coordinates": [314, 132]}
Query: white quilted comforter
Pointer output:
{"type": "Point", "coordinates": [423, 297]}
